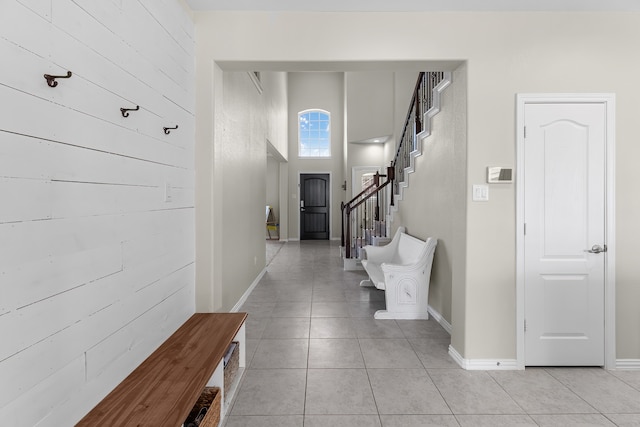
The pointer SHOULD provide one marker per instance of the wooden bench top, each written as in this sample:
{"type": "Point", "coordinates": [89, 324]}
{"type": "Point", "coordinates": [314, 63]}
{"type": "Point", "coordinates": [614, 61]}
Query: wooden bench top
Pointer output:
{"type": "Point", "coordinates": [162, 390]}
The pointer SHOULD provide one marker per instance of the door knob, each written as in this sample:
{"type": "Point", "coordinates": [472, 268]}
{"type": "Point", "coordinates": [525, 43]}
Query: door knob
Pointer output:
{"type": "Point", "coordinates": [596, 249]}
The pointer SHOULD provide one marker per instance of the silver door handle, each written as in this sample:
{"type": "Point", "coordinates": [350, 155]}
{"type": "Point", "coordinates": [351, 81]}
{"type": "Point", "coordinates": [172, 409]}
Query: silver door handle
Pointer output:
{"type": "Point", "coordinates": [596, 249]}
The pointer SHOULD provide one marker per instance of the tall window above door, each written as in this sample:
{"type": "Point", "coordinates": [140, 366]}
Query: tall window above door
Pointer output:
{"type": "Point", "coordinates": [314, 134]}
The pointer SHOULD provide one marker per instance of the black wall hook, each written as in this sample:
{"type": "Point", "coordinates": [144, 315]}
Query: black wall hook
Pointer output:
{"type": "Point", "coordinates": [51, 80]}
{"type": "Point", "coordinates": [167, 131]}
{"type": "Point", "coordinates": [125, 111]}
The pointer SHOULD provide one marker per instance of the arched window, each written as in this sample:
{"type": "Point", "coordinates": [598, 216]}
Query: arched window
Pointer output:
{"type": "Point", "coordinates": [314, 133]}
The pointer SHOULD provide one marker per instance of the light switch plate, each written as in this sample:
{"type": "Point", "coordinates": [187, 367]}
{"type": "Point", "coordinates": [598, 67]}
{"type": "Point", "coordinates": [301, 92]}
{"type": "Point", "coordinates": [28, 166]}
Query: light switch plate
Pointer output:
{"type": "Point", "coordinates": [480, 193]}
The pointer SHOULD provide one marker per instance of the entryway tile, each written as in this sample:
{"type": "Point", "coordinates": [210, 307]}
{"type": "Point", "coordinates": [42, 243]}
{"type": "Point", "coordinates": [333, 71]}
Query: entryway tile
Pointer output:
{"type": "Point", "coordinates": [624, 420]}
{"type": "Point", "coordinates": [264, 421]}
{"type": "Point", "coordinates": [573, 420]}
{"type": "Point", "coordinates": [472, 392]}
{"type": "Point", "coordinates": [406, 391]}
{"type": "Point", "coordinates": [434, 352]}
{"type": "Point", "coordinates": [339, 391]}
{"type": "Point", "coordinates": [292, 309]}
{"type": "Point", "coordinates": [537, 392]}
{"type": "Point", "coordinates": [422, 329]}
{"type": "Point", "coordinates": [287, 328]}
{"type": "Point", "coordinates": [389, 353]}
{"type": "Point", "coordinates": [329, 309]}
{"type": "Point", "coordinates": [342, 421]}
{"type": "Point", "coordinates": [378, 329]}
{"type": "Point", "coordinates": [271, 392]}
{"type": "Point", "coordinates": [332, 328]}
{"type": "Point", "coordinates": [603, 391]}
{"type": "Point", "coordinates": [419, 421]}
{"type": "Point", "coordinates": [282, 353]}
{"type": "Point", "coordinates": [495, 420]}
{"type": "Point", "coordinates": [335, 353]}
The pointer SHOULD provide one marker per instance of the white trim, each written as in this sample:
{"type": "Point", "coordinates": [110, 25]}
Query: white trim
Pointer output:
{"type": "Point", "coordinates": [483, 364]}
{"type": "Point", "coordinates": [610, 265]}
{"type": "Point", "coordinates": [330, 200]}
{"type": "Point", "coordinates": [426, 132]}
{"type": "Point", "coordinates": [629, 364]}
{"type": "Point", "coordinates": [440, 319]}
{"type": "Point", "coordinates": [244, 296]}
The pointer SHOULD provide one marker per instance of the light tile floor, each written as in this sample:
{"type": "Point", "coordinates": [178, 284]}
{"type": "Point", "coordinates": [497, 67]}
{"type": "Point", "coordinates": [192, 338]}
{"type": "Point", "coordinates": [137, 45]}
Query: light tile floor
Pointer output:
{"type": "Point", "coordinates": [317, 358]}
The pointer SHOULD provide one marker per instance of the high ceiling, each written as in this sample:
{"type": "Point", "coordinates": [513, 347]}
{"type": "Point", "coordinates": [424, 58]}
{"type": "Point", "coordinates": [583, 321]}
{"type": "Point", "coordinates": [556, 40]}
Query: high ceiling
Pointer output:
{"type": "Point", "coordinates": [416, 5]}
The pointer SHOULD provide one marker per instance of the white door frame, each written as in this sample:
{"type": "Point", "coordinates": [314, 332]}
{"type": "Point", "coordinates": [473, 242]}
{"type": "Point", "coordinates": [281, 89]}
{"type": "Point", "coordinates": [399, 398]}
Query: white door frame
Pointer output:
{"type": "Point", "coordinates": [608, 100]}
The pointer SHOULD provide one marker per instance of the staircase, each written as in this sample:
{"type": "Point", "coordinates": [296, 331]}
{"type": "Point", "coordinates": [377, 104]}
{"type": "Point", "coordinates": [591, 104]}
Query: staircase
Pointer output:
{"type": "Point", "coordinates": [367, 217]}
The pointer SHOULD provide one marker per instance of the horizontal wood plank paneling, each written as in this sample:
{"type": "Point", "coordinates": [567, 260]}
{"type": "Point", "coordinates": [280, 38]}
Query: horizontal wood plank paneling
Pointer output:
{"type": "Point", "coordinates": [82, 130]}
{"type": "Point", "coordinates": [57, 388]}
{"type": "Point", "coordinates": [42, 8]}
{"type": "Point", "coordinates": [43, 278]}
{"type": "Point", "coordinates": [28, 367]}
{"type": "Point", "coordinates": [63, 162]}
{"type": "Point", "coordinates": [96, 265]}
{"type": "Point", "coordinates": [181, 302]}
{"type": "Point", "coordinates": [133, 336]}
{"type": "Point", "coordinates": [42, 239]}
{"type": "Point", "coordinates": [16, 207]}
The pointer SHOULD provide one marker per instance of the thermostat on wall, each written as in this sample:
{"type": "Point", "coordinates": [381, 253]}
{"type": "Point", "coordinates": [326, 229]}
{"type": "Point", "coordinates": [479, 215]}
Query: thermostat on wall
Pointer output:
{"type": "Point", "coordinates": [497, 174]}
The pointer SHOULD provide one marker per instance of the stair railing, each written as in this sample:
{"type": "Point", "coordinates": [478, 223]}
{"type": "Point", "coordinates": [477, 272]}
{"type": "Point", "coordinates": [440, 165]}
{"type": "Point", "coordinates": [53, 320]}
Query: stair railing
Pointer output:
{"type": "Point", "coordinates": [421, 102]}
{"type": "Point", "coordinates": [361, 216]}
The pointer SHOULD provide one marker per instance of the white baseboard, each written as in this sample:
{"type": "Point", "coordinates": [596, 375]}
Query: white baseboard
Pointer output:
{"type": "Point", "coordinates": [483, 364]}
{"type": "Point", "coordinates": [631, 364]}
{"type": "Point", "coordinates": [244, 296]}
{"type": "Point", "coordinates": [440, 319]}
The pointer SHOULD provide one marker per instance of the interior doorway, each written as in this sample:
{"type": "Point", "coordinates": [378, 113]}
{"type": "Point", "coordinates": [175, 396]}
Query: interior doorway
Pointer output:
{"type": "Point", "coordinates": [565, 231]}
{"type": "Point", "coordinates": [315, 189]}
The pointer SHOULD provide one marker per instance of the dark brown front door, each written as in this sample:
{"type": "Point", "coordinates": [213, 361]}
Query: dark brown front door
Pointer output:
{"type": "Point", "coordinates": [314, 206]}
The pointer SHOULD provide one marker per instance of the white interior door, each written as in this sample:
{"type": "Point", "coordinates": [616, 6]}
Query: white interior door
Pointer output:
{"type": "Point", "coordinates": [564, 243]}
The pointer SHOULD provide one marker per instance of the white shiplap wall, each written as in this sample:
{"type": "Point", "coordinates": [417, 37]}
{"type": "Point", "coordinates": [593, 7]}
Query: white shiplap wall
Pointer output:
{"type": "Point", "coordinates": [96, 266]}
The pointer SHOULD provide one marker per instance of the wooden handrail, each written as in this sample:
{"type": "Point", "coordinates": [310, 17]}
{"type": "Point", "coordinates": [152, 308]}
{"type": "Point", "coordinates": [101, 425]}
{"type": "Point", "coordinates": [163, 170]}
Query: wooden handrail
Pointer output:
{"type": "Point", "coordinates": [370, 195]}
{"type": "Point", "coordinates": [375, 183]}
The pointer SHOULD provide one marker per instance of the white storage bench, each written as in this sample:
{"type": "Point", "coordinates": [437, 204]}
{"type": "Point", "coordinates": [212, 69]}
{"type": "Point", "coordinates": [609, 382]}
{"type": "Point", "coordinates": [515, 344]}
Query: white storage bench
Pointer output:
{"type": "Point", "coordinates": [403, 270]}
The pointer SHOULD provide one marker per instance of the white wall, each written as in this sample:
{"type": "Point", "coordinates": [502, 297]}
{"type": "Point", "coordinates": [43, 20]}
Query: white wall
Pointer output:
{"type": "Point", "coordinates": [506, 53]}
{"type": "Point", "coordinates": [370, 114]}
{"type": "Point", "coordinates": [231, 186]}
{"type": "Point", "coordinates": [434, 203]}
{"type": "Point", "coordinates": [324, 91]}
{"type": "Point", "coordinates": [96, 268]}
{"type": "Point", "coordinates": [370, 105]}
